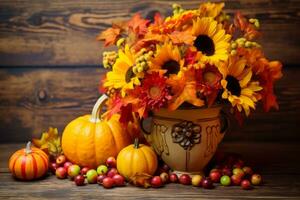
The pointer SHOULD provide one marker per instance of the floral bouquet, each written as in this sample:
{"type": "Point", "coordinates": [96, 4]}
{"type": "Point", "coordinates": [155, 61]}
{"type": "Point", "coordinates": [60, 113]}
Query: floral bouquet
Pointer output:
{"type": "Point", "coordinates": [193, 58]}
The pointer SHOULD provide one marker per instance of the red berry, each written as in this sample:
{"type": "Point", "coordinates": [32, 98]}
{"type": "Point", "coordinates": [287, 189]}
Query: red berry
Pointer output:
{"type": "Point", "coordinates": [173, 178]}
{"type": "Point", "coordinates": [246, 185]}
{"type": "Point", "coordinates": [61, 173]}
{"type": "Point", "coordinates": [207, 183]}
{"type": "Point", "coordinates": [108, 182]}
{"type": "Point", "coordinates": [118, 180]}
{"type": "Point", "coordinates": [60, 160]}
{"type": "Point", "coordinates": [79, 180]}
{"type": "Point", "coordinates": [227, 171]}
{"type": "Point", "coordinates": [164, 177]}
{"type": "Point", "coordinates": [166, 168]}
{"type": "Point", "coordinates": [256, 179]}
{"type": "Point", "coordinates": [84, 170]}
{"type": "Point", "coordinates": [156, 182]}
{"type": "Point", "coordinates": [239, 164]}
{"type": "Point", "coordinates": [53, 167]}
{"type": "Point", "coordinates": [112, 172]}
{"type": "Point", "coordinates": [185, 179]}
{"type": "Point", "coordinates": [67, 165]}
{"type": "Point", "coordinates": [238, 171]}
{"type": "Point", "coordinates": [100, 178]}
{"type": "Point", "coordinates": [248, 170]}
{"type": "Point", "coordinates": [111, 162]}
{"type": "Point", "coordinates": [236, 179]}
{"type": "Point", "coordinates": [215, 176]}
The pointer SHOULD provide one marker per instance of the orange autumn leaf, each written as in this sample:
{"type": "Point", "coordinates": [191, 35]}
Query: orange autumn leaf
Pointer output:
{"type": "Point", "coordinates": [249, 29]}
{"type": "Point", "coordinates": [110, 35]}
{"type": "Point", "coordinates": [188, 95]}
{"type": "Point", "coordinates": [178, 37]}
{"type": "Point", "coordinates": [141, 180]}
{"type": "Point", "coordinates": [138, 25]}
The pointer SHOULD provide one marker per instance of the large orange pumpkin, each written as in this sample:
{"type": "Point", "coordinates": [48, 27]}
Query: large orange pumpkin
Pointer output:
{"type": "Point", "coordinates": [89, 140]}
{"type": "Point", "coordinates": [136, 159]}
{"type": "Point", "coordinates": [29, 163]}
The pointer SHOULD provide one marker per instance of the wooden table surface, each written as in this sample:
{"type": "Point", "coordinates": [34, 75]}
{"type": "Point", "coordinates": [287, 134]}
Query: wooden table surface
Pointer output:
{"type": "Point", "coordinates": [277, 162]}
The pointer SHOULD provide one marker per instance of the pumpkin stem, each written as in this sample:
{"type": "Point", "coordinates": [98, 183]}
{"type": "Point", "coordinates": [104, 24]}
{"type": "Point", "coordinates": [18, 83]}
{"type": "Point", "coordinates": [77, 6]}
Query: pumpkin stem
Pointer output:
{"type": "Point", "coordinates": [28, 148]}
{"type": "Point", "coordinates": [136, 143]}
{"type": "Point", "coordinates": [95, 117]}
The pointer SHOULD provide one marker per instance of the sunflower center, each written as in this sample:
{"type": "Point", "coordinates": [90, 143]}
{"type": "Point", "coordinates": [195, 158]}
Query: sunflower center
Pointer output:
{"type": "Point", "coordinates": [129, 74]}
{"type": "Point", "coordinates": [171, 66]}
{"type": "Point", "coordinates": [205, 44]}
{"type": "Point", "coordinates": [233, 85]}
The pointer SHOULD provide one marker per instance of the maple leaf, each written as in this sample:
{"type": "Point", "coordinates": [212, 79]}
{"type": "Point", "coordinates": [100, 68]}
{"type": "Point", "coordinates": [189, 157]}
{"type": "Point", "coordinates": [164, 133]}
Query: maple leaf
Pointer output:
{"type": "Point", "coordinates": [138, 25]}
{"type": "Point", "coordinates": [140, 180]}
{"type": "Point", "coordinates": [178, 37]}
{"type": "Point", "coordinates": [110, 35]}
{"type": "Point", "coordinates": [50, 142]}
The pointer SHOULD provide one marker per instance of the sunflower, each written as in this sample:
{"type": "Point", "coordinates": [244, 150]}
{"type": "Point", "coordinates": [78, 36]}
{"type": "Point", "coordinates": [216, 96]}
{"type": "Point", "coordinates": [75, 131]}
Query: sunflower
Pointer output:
{"type": "Point", "coordinates": [211, 40]}
{"type": "Point", "coordinates": [168, 61]}
{"type": "Point", "coordinates": [238, 87]}
{"type": "Point", "coordinates": [122, 76]}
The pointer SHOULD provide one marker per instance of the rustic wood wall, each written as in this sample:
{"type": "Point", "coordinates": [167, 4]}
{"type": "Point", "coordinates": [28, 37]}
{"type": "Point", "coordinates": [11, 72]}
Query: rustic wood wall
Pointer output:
{"type": "Point", "coordinates": [50, 61]}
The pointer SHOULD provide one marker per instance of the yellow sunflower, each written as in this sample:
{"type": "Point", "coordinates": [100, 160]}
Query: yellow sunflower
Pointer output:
{"type": "Point", "coordinates": [122, 76]}
{"type": "Point", "coordinates": [238, 87]}
{"type": "Point", "coordinates": [211, 40]}
{"type": "Point", "coordinates": [168, 61]}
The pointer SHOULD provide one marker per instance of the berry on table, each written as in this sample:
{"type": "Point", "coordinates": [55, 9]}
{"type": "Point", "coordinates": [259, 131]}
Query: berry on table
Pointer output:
{"type": "Point", "coordinates": [108, 182]}
{"type": "Point", "coordinates": [225, 180]}
{"type": "Point", "coordinates": [91, 176]}
{"type": "Point", "coordinates": [156, 182]}
{"type": "Point", "coordinates": [111, 162]}
{"type": "Point", "coordinates": [173, 178]}
{"type": "Point", "coordinates": [256, 179]}
{"type": "Point", "coordinates": [73, 171]}
{"type": "Point", "coordinates": [207, 183]}
{"type": "Point", "coordinates": [197, 180]}
{"type": "Point", "coordinates": [246, 185]}
{"type": "Point", "coordinates": [102, 169]}
{"type": "Point", "coordinates": [215, 176]}
{"type": "Point", "coordinates": [60, 160]}
{"type": "Point", "coordinates": [61, 173]}
{"type": "Point", "coordinates": [185, 179]}
{"type": "Point", "coordinates": [118, 180]}
{"type": "Point", "coordinates": [164, 177]}
{"type": "Point", "coordinates": [79, 180]}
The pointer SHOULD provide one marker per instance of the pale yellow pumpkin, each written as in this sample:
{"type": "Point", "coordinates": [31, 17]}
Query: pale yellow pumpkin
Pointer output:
{"type": "Point", "coordinates": [89, 140]}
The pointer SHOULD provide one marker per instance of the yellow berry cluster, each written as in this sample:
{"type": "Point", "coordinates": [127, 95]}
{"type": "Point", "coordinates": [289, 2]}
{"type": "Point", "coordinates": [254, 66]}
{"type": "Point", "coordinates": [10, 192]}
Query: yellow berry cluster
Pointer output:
{"type": "Point", "coordinates": [177, 9]}
{"type": "Point", "coordinates": [109, 59]}
{"type": "Point", "coordinates": [142, 61]}
{"type": "Point", "coordinates": [255, 22]}
{"type": "Point", "coordinates": [242, 42]}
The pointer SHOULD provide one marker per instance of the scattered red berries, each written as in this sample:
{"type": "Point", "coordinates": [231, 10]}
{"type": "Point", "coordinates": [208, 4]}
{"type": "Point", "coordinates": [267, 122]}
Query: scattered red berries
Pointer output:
{"type": "Point", "coordinates": [229, 170]}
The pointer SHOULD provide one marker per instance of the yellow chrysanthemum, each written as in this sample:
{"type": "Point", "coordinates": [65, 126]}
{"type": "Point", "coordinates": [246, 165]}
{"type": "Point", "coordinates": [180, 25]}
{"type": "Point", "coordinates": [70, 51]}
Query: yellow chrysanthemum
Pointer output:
{"type": "Point", "coordinates": [238, 87]}
{"type": "Point", "coordinates": [211, 40]}
{"type": "Point", "coordinates": [122, 76]}
{"type": "Point", "coordinates": [168, 60]}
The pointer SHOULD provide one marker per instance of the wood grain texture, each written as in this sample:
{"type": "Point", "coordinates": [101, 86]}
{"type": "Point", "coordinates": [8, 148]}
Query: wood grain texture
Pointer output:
{"type": "Point", "coordinates": [31, 100]}
{"type": "Point", "coordinates": [280, 173]}
{"type": "Point", "coordinates": [60, 33]}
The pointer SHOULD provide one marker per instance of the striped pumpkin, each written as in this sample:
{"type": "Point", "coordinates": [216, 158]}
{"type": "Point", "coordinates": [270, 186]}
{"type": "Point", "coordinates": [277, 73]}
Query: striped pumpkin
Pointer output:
{"type": "Point", "coordinates": [29, 163]}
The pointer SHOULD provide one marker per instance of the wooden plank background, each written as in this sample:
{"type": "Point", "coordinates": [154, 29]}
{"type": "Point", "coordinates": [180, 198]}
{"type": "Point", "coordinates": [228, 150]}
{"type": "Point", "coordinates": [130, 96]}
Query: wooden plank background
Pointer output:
{"type": "Point", "coordinates": [50, 62]}
{"type": "Point", "coordinates": [60, 33]}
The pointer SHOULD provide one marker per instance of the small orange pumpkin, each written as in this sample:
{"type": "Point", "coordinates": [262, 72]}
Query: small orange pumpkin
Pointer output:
{"type": "Point", "coordinates": [29, 163]}
{"type": "Point", "coordinates": [136, 159]}
{"type": "Point", "coordinates": [88, 140]}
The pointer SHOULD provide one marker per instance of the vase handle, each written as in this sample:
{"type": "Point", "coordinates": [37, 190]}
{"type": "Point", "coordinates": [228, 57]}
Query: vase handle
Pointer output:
{"type": "Point", "coordinates": [224, 120]}
{"type": "Point", "coordinates": [142, 123]}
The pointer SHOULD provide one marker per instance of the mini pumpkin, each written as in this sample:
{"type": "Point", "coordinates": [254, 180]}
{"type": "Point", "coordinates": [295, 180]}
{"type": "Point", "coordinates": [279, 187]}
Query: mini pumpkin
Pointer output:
{"type": "Point", "coordinates": [29, 163]}
{"type": "Point", "coordinates": [89, 140]}
{"type": "Point", "coordinates": [136, 159]}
